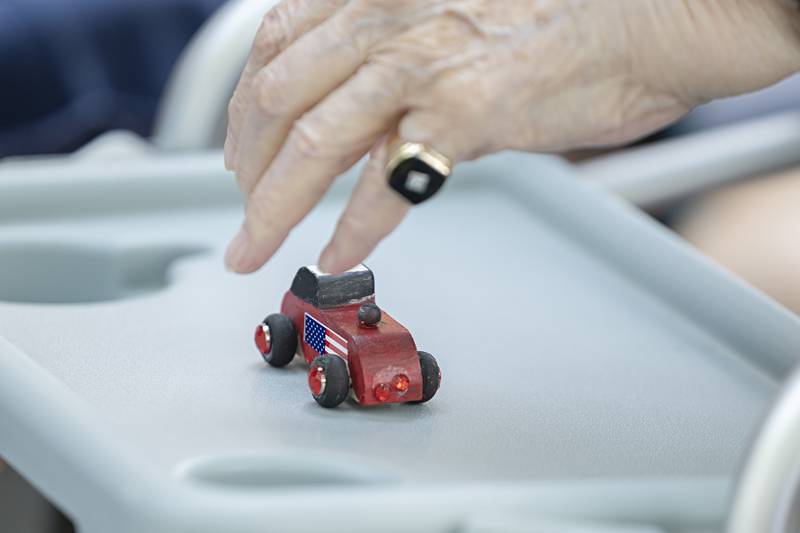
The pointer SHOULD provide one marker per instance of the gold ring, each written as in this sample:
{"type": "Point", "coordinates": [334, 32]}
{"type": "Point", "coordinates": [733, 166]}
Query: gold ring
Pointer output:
{"type": "Point", "coordinates": [416, 171]}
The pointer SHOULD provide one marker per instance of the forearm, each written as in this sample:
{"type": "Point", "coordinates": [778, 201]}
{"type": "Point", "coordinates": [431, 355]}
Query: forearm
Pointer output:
{"type": "Point", "coordinates": [708, 49]}
{"type": "Point", "coordinates": [774, 51]}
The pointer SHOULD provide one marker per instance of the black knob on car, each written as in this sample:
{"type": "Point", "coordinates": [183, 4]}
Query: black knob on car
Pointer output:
{"type": "Point", "coordinates": [369, 315]}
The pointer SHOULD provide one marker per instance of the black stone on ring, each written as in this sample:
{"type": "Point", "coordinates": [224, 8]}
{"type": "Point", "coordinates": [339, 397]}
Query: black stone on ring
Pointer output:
{"type": "Point", "coordinates": [417, 172]}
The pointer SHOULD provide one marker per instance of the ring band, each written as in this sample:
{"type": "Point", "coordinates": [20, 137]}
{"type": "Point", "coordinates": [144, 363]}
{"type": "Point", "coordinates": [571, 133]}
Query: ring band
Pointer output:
{"type": "Point", "coordinates": [416, 171]}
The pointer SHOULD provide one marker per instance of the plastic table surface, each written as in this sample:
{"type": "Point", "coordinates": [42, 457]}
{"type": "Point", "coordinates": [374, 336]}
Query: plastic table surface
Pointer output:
{"type": "Point", "coordinates": [577, 338]}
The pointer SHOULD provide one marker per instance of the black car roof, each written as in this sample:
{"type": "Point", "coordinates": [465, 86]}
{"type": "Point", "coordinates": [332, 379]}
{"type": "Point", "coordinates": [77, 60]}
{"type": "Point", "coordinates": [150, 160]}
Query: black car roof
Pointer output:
{"type": "Point", "coordinates": [333, 290]}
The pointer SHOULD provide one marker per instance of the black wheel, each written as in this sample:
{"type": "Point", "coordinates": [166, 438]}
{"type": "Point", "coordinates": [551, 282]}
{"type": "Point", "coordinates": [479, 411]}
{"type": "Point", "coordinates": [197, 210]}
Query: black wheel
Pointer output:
{"type": "Point", "coordinates": [431, 376]}
{"type": "Point", "coordinates": [276, 340]}
{"type": "Point", "coordinates": [328, 380]}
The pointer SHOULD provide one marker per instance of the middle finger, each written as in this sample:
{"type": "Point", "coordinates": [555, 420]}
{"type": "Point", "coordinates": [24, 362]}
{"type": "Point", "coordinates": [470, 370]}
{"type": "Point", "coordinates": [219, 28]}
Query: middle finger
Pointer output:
{"type": "Point", "coordinates": [325, 142]}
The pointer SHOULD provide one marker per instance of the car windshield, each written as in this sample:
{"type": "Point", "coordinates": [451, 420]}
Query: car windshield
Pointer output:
{"type": "Point", "coordinates": [333, 290]}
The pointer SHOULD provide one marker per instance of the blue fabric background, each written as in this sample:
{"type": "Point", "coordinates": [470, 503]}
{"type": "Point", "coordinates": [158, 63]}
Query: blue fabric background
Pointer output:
{"type": "Point", "coordinates": [71, 69]}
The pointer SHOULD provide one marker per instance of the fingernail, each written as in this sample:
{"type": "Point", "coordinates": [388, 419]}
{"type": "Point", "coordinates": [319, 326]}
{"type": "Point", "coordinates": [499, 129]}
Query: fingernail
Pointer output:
{"type": "Point", "coordinates": [327, 260]}
{"type": "Point", "coordinates": [331, 261]}
{"type": "Point", "coordinates": [237, 251]}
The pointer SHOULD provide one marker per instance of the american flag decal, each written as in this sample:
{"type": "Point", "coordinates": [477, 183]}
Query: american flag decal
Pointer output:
{"type": "Point", "coordinates": [323, 339]}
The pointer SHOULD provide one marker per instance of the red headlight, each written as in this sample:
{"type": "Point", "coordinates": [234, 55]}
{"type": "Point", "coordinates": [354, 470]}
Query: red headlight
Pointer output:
{"type": "Point", "coordinates": [382, 392]}
{"type": "Point", "coordinates": [400, 383]}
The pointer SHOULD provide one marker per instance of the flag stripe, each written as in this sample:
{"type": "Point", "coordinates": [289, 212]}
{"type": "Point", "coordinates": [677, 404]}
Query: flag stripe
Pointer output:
{"type": "Point", "coordinates": [335, 344]}
{"type": "Point", "coordinates": [335, 336]}
{"type": "Point", "coordinates": [329, 348]}
{"type": "Point", "coordinates": [331, 351]}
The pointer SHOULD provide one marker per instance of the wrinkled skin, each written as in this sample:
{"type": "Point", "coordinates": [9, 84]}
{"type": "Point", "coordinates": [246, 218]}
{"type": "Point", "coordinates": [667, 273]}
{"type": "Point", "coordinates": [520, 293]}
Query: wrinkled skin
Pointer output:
{"type": "Point", "coordinates": [329, 81]}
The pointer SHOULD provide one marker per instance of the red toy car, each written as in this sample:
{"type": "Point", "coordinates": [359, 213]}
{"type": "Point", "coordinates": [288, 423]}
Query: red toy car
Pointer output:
{"type": "Point", "coordinates": [349, 343]}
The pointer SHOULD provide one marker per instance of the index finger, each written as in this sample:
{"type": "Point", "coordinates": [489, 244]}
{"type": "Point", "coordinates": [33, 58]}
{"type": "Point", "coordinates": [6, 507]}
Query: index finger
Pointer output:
{"type": "Point", "coordinates": [324, 143]}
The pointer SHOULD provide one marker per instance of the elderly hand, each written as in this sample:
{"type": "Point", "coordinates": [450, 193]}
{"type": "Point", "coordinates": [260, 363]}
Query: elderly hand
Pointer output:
{"type": "Point", "coordinates": [328, 81]}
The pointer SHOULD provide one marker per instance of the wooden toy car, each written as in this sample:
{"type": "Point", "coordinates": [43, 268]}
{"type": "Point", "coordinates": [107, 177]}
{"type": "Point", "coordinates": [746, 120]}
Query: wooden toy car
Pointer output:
{"type": "Point", "coordinates": [352, 346]}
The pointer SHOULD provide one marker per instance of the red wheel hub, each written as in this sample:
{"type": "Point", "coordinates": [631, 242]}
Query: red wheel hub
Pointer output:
{"type": "Point", "coordinates": [317, 380]}
{"type": "Point", "coordinates": [263, 340]}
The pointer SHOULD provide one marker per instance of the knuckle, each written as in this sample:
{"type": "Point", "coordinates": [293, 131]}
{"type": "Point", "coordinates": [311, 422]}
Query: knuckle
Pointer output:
{"type": "Point", "coordinates": [229, 151]}
{"type": "Point", "coordinates": [260, 212]}
{"type": "Point", "coordinates": [235, 110]}
{"type": "Point", "coordinates": [272, 96]}
{"type": "Point", "coordinates": [383, 79]}
{"type": "Point", "coordinates": [245, 179]}
{"type": "Point", "coordinates": [306, 140]}
{"type": "Point", "coordinates": [362, 24]}
{"type": "Point", "coordinates": [275, 31]}
{"type": "Point", "coordinates": [348, 35]}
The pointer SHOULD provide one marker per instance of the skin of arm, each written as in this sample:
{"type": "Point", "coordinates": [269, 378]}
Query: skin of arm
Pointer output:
{"type": "Point", "coordinates": [737, 46]}
{"type": "Point", "coordinates": [328, 81]}
{"type": "Point", "coordinates": [753, 229]}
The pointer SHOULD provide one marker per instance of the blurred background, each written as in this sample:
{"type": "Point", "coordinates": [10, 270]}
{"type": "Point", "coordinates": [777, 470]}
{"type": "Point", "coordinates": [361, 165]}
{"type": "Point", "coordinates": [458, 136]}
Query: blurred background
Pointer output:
{"type": "Point", "coordinates": [75, 69]}
{"type": "Point", "coordinates": [72, 70]}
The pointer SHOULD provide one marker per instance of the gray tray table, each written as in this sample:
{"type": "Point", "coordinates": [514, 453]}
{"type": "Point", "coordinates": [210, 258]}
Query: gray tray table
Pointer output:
{"type": "Point", "coordinates": [599, 375]}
